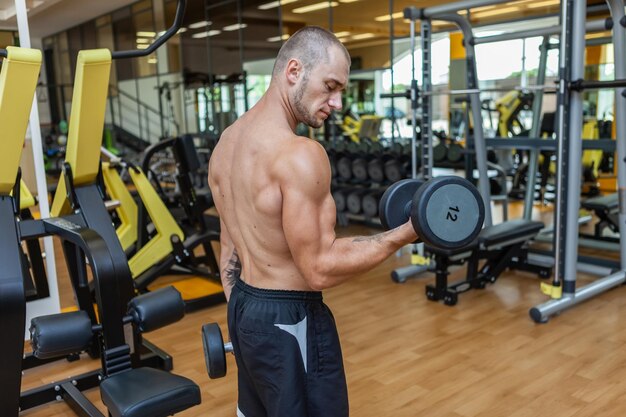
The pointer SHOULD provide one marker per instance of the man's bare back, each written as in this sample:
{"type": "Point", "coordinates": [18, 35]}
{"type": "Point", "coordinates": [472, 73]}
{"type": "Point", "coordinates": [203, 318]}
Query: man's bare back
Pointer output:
{"type": "Point", "coordinates": [248, 168]}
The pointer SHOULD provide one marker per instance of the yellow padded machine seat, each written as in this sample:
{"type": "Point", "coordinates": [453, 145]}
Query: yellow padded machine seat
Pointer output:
{"type": "Point", "coordinates": [18, 80]}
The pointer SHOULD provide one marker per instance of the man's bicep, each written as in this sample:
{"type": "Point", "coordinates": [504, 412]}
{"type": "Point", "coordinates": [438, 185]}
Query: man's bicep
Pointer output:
{"type": "Point", "coordinates": [308, 222]}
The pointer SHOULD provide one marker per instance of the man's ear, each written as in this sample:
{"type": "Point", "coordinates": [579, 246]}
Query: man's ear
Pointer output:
{"type": "Point", "coordinates": [293, 70]}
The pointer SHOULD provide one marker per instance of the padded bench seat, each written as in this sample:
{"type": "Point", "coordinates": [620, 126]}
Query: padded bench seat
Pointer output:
{"type": "Point", "coordinates": [148, 392]}
{"type": "Point", "coordinates": [509, 231]}
{"type": "Point", "coordinates": [500, 247]}
{"type": "Point", "coordinates": [607, 202]}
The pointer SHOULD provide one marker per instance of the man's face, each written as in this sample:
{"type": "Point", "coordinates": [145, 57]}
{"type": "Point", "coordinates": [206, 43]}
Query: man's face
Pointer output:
{"type": "Point", "coordinates": [319, 90]}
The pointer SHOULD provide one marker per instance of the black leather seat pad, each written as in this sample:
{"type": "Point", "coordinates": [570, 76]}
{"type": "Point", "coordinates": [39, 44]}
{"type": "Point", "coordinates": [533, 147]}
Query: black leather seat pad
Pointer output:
{"type": "Point", "coordinates": [148, 392]}
{"type": "Point", "coordinates": [509, 230]}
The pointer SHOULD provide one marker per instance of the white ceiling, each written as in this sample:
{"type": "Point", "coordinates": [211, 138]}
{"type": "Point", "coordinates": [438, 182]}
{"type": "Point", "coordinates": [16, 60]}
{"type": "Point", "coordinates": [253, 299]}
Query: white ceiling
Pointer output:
{"type": "Point", "coordinates": [46, 17]}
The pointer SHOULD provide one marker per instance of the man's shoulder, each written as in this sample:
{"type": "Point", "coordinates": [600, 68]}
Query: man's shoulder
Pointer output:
{"type": "Point", "coordinates": [302, 157]}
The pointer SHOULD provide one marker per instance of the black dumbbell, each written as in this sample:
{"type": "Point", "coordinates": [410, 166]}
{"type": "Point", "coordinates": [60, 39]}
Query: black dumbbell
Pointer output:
{"type": "Point", "coordinates": [215, 350]}
{"type": "Point", "coordinates": [359, 166]}
{"type": "Point", "coordinates": [370, 203]}
{"type": "Point", "coordinates": [440, 152]}
{"type": "Point", "coordinates": [397, 169]}
{"type": "Point", "coordinates": [339, 195]}
{"type": "Point", "coordinates": [455, 152]}
{"type": "Point", "coordinates": [354, 200]}
{"type": "Point", "coordinates": [446, 212]}
{"type": "Point", "coordinates": [344, 165]}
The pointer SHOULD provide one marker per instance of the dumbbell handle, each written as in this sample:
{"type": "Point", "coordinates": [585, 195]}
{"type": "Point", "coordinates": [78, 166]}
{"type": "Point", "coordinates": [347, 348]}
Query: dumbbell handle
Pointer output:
{"type": "Point", "coordinates": [228, 347]}
{"type": "Point", "coordinates": [407, 209]}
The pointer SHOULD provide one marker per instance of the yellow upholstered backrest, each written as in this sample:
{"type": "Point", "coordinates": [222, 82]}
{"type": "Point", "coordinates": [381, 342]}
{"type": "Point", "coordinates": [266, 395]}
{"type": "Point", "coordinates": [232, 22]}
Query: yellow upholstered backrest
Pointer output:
{"type": "Point", "coordinates": [84, 138]}
{"type": "Point", "coordinates": [18, 80]}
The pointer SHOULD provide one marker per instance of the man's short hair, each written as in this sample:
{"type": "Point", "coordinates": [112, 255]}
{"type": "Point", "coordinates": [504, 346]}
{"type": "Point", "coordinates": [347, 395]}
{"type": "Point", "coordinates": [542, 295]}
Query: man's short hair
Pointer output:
{"type": "Point", "coordinates": [310, 45]}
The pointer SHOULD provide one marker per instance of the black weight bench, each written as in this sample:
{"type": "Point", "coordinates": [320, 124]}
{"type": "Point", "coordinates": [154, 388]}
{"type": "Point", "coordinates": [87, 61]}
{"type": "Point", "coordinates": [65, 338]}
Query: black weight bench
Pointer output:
{"type": "Point", "coordinates": [606, 207]}
{"type": "Point", "coordinates": [503, 246]}
{"type": "Point", "coordinates": [148, 392]}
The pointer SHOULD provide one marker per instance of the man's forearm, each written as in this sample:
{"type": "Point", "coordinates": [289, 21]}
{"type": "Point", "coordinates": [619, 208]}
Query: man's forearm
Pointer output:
{"type": "Point", "coordinates": [351, 256]}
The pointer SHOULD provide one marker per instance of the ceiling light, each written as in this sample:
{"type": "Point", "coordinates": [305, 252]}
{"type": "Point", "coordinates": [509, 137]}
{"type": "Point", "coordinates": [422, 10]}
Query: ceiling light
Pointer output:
{"type": "Point", "coordinates": [348, 1]}
{"type": "Point", "coordinates": [542, 4]}
{"type": "Point", "coordinates": [495, 12]}
{"type": "Point", "coordinates": [143, 40]}
{"type": "Point", "coordinates": [206, 34]}
{"type": "Point", "coordinates": [236, 26]}
{"type": "Point", "coordinates": [152, 60]}
{"type": "Point", "coordinates": [273, 4]}
{"type": "Point", "coordinates": [198, 25]}
{"type": "Point", "coordinates": [386, 17]}
{"type": "Point", "coordinates": [142, 46]}
{"type": "Point", "coordinates": [362, 36]}
{"type": "Point", "coordinates": [146, 34]}
{"type": "Point", "coordinates": [316, 6]}
{"type": "Point", "coordinates": [278, 38]}
{"type": "Point", "coordinates": [342, 34]}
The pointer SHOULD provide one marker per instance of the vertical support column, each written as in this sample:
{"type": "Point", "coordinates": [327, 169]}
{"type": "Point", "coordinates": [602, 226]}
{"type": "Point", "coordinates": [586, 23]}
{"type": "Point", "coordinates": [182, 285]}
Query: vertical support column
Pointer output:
{"type": "Point", "coordinates": [573, 167]}
{"type": "Point", "coordinates": [562, 140]}
{"type": "Point", "coordinates": [414, 98]}
{"type": "Point", "coordinates": [533, 162]}
{"type": "Point", "coordinates": [50, 305]}
{"type": "Point", "coordinates": [619, 45]}
{"type": "Point", "coordinates": [427, 100]}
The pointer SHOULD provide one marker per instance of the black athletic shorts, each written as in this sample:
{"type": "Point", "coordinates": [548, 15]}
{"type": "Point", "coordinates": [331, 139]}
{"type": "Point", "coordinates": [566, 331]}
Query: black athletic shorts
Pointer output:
{"type": "Point", "coordinates": [288, 354]}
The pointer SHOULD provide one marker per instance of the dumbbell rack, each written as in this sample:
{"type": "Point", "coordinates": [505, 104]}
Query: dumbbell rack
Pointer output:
{"type": "Point", "coordinates": [360, 175]}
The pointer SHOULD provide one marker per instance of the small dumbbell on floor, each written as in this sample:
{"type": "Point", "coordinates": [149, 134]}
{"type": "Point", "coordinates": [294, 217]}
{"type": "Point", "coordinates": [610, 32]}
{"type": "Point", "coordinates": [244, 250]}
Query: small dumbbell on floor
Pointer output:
{"type": "Point", "coordinates": [215, 350]}
{"type": "Point", "coordinates": [446, 212]}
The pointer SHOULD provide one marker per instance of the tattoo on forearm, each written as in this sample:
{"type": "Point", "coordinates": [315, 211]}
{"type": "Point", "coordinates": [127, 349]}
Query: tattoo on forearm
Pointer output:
{"type": "Point", "coordinates": [378, 238]}
{"type": "Point", "coordinates": [232, 272]}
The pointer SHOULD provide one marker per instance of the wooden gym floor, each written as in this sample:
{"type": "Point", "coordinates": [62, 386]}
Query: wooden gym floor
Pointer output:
{"type": "Point", "coordinates": [408, 357]}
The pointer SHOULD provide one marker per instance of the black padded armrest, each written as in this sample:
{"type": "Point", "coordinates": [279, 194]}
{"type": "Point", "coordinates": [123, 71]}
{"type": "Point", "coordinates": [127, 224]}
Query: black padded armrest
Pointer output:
{"type": "Point", "coordinates": [58, 335]}
{"type": "Point", "coordinates": [157, 309]}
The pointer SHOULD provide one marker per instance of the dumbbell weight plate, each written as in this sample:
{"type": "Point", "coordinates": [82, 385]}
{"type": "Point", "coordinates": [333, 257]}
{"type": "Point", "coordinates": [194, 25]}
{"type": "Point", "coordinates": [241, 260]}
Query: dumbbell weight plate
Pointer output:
{"type": "Point", "coordinates": [344, 167]}
{"type": "Point", "coordinates": [375, 170]}
{"type": "Point", "coordinates": [447, 212]}
{"type": "Point", "coordinates": [392, 209]}
{"type": "Point", "coordinates": [440, 152]}
{"type": "Point", "coordinates": [370, 204]}
{"type": "Point", "coordinates": [394, 170]}
{"type": "Point", "coordinates": [359, 169]}
{"type": "Point", "coordinates": [455, 152]}
{"type": "Point", "coordinates": [214, 353]}
{"type": "Point", "coordinates": [339, 195]}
